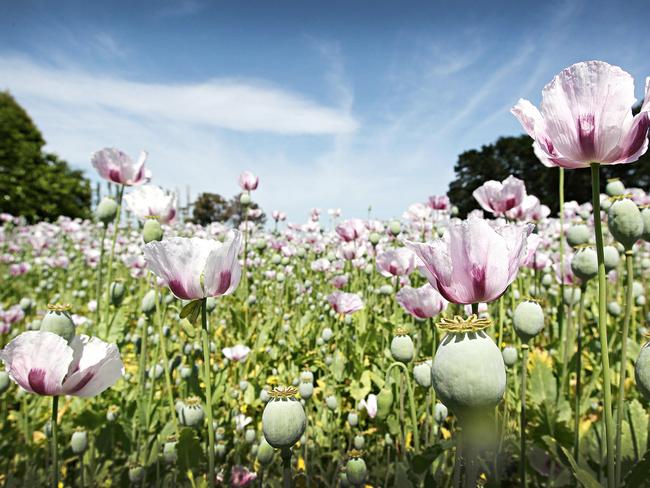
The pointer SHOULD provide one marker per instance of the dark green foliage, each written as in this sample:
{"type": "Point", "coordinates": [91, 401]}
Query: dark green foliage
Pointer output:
{"type": "Point", "coordinates": [515, 156]}
{"type": "Point", "coordinates": [212, 207]}
{"type": "Point", "coordinates": [35, 184]}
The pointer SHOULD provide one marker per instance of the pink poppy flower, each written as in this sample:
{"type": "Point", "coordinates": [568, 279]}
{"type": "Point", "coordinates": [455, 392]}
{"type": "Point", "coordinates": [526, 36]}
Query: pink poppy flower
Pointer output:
{"type": "Point", "coordinates": [586, 116]}
{"type": "Point", "coordinates": [236, 353]}
{"type": "Point", "coordinates": [422, 303]}
{"type": "Point", "coordinates": [152, 201]}
{"type": "Point", "coordinates": [248, 181]}
{"type": "Point", "coordinates": [439, 202]}
{"type": "Point", "coordinates": [345, 303]}
{"type": "Point", "coordinates": [498, 198]}
{"type": "Point", "coordinates": [351, 230]}
{"type": "Point", "coordinates": [44, 363]}
{"type": "Point", "coordinates": [474, 262]}
{"type": "Point", "coordinates": [370, 404]}
{"type": "Point", "coordinates": [114, 165]}
{"type": "Point", "coordinates": [182, 262]}
{"type": "Point", "coordinates": [530, 209]}
{"type": "Point", "coordinates": [240, 477]}
{"type": "Point", "coordinates": [396, 262]}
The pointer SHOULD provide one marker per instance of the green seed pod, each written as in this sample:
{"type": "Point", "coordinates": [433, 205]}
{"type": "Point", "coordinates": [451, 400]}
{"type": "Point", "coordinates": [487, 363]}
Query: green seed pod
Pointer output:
{"type": "Point", "coordinates": [4, 381]}
{"type": "Point", "coordinates": [306, 390]}
{"type": "Point", "coordinates": [327, 334]}
{"type": "Point", "coordinates": [250, 436]}
{"type": "Point", "coordinates": [469, 375]}
{"type": "Point", "coordinates": [528, 320]}
{"type": "Point", "coordinates": [332, 402]}
{"type": "Point", "coordinates": [106, 211]}
{"type": "Point", "coordinates": [642, 371]}
{"type": "Point", "coordinates": [614, 309]}
{"type": "Point", "coordinates": [192, 413]}
{"type": "Point", "coordinates": [220, 450]}
{"type": "Point", "coordinates": [572, 295]}
{"type": "Point", "coordinates": [611, 258]}
{"type": "Point", "coordinates": [422, 373]}
{"type": "Point", "coordinates": [385, 290]}
{"type": "Point", "coordinates": [112, 413]}
{"type": "Point", "coordinates": [401, 347]}
{"type": "Point", "coordinates": [578, 234]}
{"type": "Point", "coordinates": [614, 187]}
{"type": "Point", "coordinates": [136, 473]}
{"type": "Point", "coordinates": [509, 354]}
{"type": "Point", "coordinates": [245, 199]}
{"type": "Point", "coordinates": [265, 453]}
{"type": "Point", "coordinates": [353, 419]}
{"type": "Point", "coordinates": [355, 469]}
{"type": "Point", "coordinates": [547, 280]}
{"type": "Point", "coordinates": [585, 264]}
{"type": "Point", "coordinates": [148, 303]}
{"type": "Point", "coordinates": [283, 419]}
{"type": "Point", "coordinates": [79, 441]}
{"type": "Point", "coordinates": [440, 413]}
{"type": "Point", "coordinates": [306, 376]}
{"type": "Point", "coordinates": [395, 227]}
{"type": "Point", "coordinates": [58, 321]}
{"type": "Point", "coordinates": [359, 441]}
{"type": "Point", "coordinates": [385, 401]}
{"type": "Point", "coordinates": [117, 293]}
{"type": "Point", "coordinates": [26, 304]}
{"type": "Point", "coordinates": [625, 222]}
{"type": "Point", "coordinates": [645, 216]}
{"type": "Point", "coordinates": [152, 231]}
{"type": "Point", "coordinates": [170, 454]}
{"type": "Point", "coordinates": [374, 238]}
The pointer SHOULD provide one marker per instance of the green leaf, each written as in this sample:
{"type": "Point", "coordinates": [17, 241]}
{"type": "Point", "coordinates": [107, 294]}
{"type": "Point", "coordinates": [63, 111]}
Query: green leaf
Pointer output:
{"type": "Point", "coordinates": [192, 310]}
{"type": "Point", "coordinates": [582, 475]}
{"type": "Point", "coordinates": [638, 475]}
{"type": "Point", "coordinates": [189, 450]}
{"type": "Point", "coordinates": [543, 388]}
{"type": "Point", "coordinates": [422, 462]}
{"type": "Point", "coordinates": [638, 420]}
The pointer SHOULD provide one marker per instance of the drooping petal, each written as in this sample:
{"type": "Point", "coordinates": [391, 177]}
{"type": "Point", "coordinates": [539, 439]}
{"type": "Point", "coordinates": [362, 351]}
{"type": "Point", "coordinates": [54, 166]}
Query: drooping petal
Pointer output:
{"type": "Point", "coordinates": [222, 269]}
{"type": "Point", "coordinates": [38, 361]}
{"type": "Point", "coordinates": [100, 366]}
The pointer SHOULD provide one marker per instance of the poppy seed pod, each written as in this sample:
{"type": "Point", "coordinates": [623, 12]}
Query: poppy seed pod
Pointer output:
{"type": "Point", "coordinates": [306, 390]}
{"type": "Point", "coordinates": [59, 321]}
{"type": "Point", "coordinates": [577, 235]}
{"type": "Point", "coordinates": [152, 231]}
{"type": "Point", "coordinates": [353, 419]}
{"type": "Point", "coordinates": [611, 258]}
{"type": "Point", "coordinates": [136, 473]}
{"type": "Point", "coordinates": [117, 293]}
{"type": "Point", "coordinates": [148, 303]}
{"type": "Point", "coordinates": [245, 198]}
{"type": "Point", "coordinates": [642, 371]}
{"type": "Point", "coordinates": [395, 227]}
{"type": "Point", "coordinates": [440, 413]}
{"type": "Point", "coordinates": [359, 441]}
{"type": "Point", "coordinates": [572, 295]}
{"type": "Point", "coordinates": [191, 412]}
{"type": "Point", "coordinates": [170, 454]}
{"type": "Point", "coordinates": [112, 413]}
{"type": "Point", "coordinates": [422, 373]}
{"type": "Point", "coordinates": [585, 263]}
{"type": "Point", "coordinates": [4, 381]}
{"type": "Point", "coordinates": [374, 238]}
{"type": "Point", "coordinates": [265, 452]}
{"type": "Point", "coordinates": [614, 187]}
{"type": "Point", "coordinates": [625, 222]}
{"type": "Point", "coordinates": [283, 419]}
{"type": "Point", "coordinates": [401, 347]}
{"type": "Point", "coordinates": [509, 354]}
{"type": "Point", "coordinates": [528, 320]}
{"type": "Point", "coordinates": [645, 216]}
{"type": "Point", "coordinates": [469, 374]}
{"type": "Point", "coordinates": [106, 211]}
{"type": "Point", "coordinates": [355, 469]}
{"type": "Point", "coordinates": [249, 436]}
{"type": "Point", "coordinates": [385, 401]}
{"type": "Point", "coordinates": [306, 376]}
{"type": "Point", "coordinates": [332, 402]}
{"type": "Point", "coordinates": [614, 309]}
{"type": "Point", "coordinates": [79, 441]}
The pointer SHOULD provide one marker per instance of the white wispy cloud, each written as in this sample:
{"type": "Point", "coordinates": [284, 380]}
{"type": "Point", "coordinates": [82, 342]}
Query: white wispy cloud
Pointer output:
{"type": "Point", "coordinates": [239, 105]}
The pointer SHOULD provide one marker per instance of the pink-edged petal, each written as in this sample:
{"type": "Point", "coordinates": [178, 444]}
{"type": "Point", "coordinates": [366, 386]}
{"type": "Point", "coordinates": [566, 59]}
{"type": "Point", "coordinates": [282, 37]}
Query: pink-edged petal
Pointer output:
{"type": "Point", "coordinates": [100, 366]}
{"type": "Point", "coordinates": [529, 116]}
{"type": "Point", "coordinates": [222, 269]}
{"type": "Point", "coordinates": [38, 361]}
{"type": "Point", "coordinates": [634, 143]}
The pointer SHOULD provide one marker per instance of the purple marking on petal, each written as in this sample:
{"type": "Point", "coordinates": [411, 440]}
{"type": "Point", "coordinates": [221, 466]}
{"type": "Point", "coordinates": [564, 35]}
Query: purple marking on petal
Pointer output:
{"type": "Point", "coordinates": [83, 382]}
{"type": "Point", "coordinates": [178, 289]}
{"type": "Point", "coordinates": [140, 175]}
{"type": "Point", "coordinates": [587, 135]}
{"type": "Point", "coordinates": [445, 294]}
{"type": "Point", "coordinates": [478, 281]}
{"type": "Point", "coordinates": [224, 282]}
{"type": "Point", "coordinates": [419, 313]}
{"type": "Point", "coordinates": [640, 135]}
{"type": "Point", "coordinates": [114, 175]}
{"type": "Point", "coordinates": [510, 203]}
{"type": "Point", "coordinates": [36, 380]}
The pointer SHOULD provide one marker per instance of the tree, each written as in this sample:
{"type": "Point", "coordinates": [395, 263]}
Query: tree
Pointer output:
{"type": "Point", "coordinates": [515, 156]}
{"type": "Point", "coordinates": [212, 207]}
{"type": "Point", "coordinates": [35, 184]}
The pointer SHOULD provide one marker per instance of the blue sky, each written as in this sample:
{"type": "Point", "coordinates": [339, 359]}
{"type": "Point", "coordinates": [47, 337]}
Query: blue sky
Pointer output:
{"type": "Point", "coordinates": [334, 104]}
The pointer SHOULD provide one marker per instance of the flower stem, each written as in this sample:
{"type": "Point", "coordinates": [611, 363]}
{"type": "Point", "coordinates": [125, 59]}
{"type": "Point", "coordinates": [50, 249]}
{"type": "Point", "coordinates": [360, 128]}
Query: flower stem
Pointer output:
{"type": "Point", "coordinates": [522, 428]}
{"type": "Point", "coordinates": [602, 325]}
{"type": "Point", "coordinates": [286, 467]}
{"type": "Point", "coordinates": [55, 434]}
{"type": "Point", "coordinates": [168, 381]}
{"type": "Point", "coordinates": [120, 192]}
{"type": "Point", "coordinates": [208, 392]}
{"type": "Point", "coordinates": [409, 387]}
{"type": "Point", "coordinates": [100, 269]}
{"type": "Point", "coordinates": [629, 304]}
{"type": "Point", "coordinates": [576, 413]}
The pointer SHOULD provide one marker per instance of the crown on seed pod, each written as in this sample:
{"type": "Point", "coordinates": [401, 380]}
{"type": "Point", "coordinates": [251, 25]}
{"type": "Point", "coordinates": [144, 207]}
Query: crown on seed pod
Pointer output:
{"type": "Point", "coordinates": [59, 307]}
{"type": "Point", "coordinates": [283, 392]}
{"type": "Point", "coordinates": [459, 324]}
{"type": "Point", "coordinates": [355, 454]}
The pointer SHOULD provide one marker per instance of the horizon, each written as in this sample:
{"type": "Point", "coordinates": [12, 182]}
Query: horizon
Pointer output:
{"type": "Point", "coordinates": [344, 105]}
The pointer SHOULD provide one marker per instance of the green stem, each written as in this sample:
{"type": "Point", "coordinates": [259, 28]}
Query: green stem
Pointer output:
{"type": "Point", "coordinates": [55, 434]}
{"type": "Point", "coordinates": [629, 304]}
{"type": "Point", "coordinates": [522, 429]}
{"type": "Point", "coordinates": [409, 387]}
{"type": "Point", "coordinates": [560, 316]}
{"type": "Point", "coordinates": [286, 467]}
{"type": "Point", "coordinates": [602, 325]}
{"type": "Point", "coordinates": [100, 268]}
{"type": "Point", "coordinates": [168, 380]}
{"type": "Point", "coordinates": [120, 192]}
{"type": "Point", "coordinates": [576, 413]}
{"type": "Point", "coordinates": [208, 392]}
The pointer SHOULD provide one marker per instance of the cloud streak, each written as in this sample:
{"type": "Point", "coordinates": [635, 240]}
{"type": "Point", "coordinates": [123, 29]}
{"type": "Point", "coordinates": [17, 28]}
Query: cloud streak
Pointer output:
{"type": "Point", "coordinates": [234, 104]}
